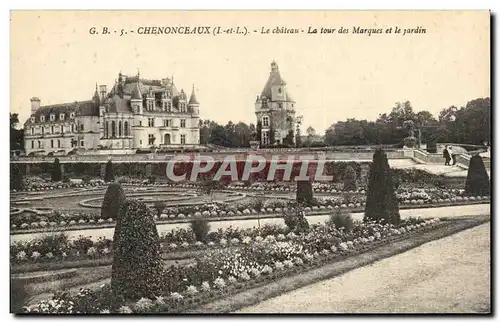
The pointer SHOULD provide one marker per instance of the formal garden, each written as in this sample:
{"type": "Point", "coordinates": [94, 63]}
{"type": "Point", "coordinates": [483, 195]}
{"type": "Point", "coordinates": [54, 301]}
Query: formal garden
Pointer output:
{"type": "Point", "coordinates": [192, 264]}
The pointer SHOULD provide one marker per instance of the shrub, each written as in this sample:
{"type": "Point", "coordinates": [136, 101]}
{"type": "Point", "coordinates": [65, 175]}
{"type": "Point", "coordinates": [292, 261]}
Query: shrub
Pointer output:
{"type": "Point", "coordinates": [56, 174]}
{"type": "Point", "coordinates": [109, 175]}
{"type": "Point", "coordinates": [200, 229]}
{"type": "Point", "coordinates": [113, 200]}
{"type": "Point", "coordinates": [16, 178]}
{"type": "Point", "coordinates": [381, 201]}
{"type": "Point", "coordinates": [477, 183]}
{"type": "Point", "coordinates": [410, 142]}
{"type": "Point", "coordinates": [159, 206]}
{"type": "Point", "coordinates": [18, 295]}
{"type": "Point", "coordinates": [304, 192]}
{"type": "Point", "coordinates": [340, 220]}
{"type": "Point", "coordinates": [349, 179]}
{"type": "Point", "coordinates": [296, 221]}
{"type": "Point", "coordinates": [137, 265]}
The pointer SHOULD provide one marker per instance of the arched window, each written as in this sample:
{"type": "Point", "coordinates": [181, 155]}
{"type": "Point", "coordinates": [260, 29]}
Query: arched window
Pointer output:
{"type": "Point", "coordinates": [119, 129]}
{"type": "Point", "coordinates": [58, 143]}
{"type": "Point", "coordinates": [125, 129]}
{"type": "Point", "coordinates": [113, 128]}
{"type": "Point", "coordinates": [106, 129]}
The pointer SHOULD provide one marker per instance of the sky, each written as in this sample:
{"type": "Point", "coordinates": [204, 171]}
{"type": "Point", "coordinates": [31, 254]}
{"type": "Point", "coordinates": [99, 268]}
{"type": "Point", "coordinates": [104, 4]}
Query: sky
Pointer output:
{"type": "Point", "coordinates": [332, 77]}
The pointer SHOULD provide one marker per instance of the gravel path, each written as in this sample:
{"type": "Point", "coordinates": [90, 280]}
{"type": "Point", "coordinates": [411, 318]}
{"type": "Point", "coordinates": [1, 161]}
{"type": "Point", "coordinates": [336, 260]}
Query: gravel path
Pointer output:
{"type": "Point", "coordinates": [448, 275]}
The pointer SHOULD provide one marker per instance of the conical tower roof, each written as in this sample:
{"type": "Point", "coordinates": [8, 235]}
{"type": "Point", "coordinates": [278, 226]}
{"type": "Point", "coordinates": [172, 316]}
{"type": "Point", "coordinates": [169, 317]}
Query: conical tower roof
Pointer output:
{"type": "Point", "coordinates": [274, 79]}
{"type": "Point", "coordinates": [136, 92]}
{"type": "Point", "coordinates": [192, 99]}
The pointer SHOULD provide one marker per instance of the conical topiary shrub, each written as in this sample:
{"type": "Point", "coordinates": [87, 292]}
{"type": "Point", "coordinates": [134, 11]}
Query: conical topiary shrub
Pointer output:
{"type": "Point", "coordinates": [16, 178]}
{"type": "Point", "coordinates": [137, 266]}
{"type": "Point", "coordinates": [478, 182]}
{"type": "Point", "coordinates": [304, 192]}
{"type": "Point", "coordinates": [113, 200]}
{"type": "Point", "coordinates": [56, 174]}
{"type": "Point", "coordinates": [349, 179]}
{"type": "Point", "coordinates": [109, 175]}
{"type": "Point", "coordinates": [381, 201]}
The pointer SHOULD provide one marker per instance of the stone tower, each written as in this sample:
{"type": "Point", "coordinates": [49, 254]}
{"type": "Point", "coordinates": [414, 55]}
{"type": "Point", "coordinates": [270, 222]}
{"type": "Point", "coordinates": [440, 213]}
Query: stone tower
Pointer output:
{"type": "Point", "coordinates": [275, 111]}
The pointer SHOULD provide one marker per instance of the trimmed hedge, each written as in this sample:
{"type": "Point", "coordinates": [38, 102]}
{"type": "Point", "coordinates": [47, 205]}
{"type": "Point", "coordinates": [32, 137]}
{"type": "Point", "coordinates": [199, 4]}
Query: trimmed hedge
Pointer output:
{"type": "Point", "coordinates": [113, 200]}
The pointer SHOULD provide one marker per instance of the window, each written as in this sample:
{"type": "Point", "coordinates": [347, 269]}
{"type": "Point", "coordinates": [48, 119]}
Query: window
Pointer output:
{"type": "Point", "coordinates": [182, 107]}
{"type": "Point", "coordinates": [265, 138]}
{"type": "Point", "coordinates": [183, 123]}
{"type": "Point", "coordinates": [42, 118]}
{"type": "Point", "coordinates": [32, 119]}
{"type": "Point", "coordinates": [51, 143]}
{"type": "Point", "coordinates": [43, 130]}
{"type": "Point", "coordinates": [120, 130]}
{"type": "Point", "coordinates": [113, 128]}
{"type": "Point", "coordinates": [52, 129]}
{"type": "Point", "coordinates": [52, 117]}
{"type": "Point", "coordinates": [183, 139]}
{"type": "Point", "coordinates": [32, 131]}
{"type": "Point", "coordinates": [168, 106]}
{"type": "Point", "coordinates": [265, 121]}
{"type": "Point", "coordinates": [81, 127]}
{"type": "Point", "coordinates": [151, 122]}
{"type": "Point", "coordinates": [167, 123]}
{"type": "Point", "coordinates": [32, 144]}
{"type": "Point", "coordinates": [58, 143]}
{"type": "Point", "coordinates": [140, 123]}
{"type": "Point", "coordinates": [39, 144]}
{"type": "Point", "coordinates": [72, 115]}
{"type": "Point", "coordinates": [151, 139]}
{"type": "Point", "coordinates": [62, 129]}
{"type": "Point", "coordinates": [61, 116]}
{"type": "Point", "coordinates": [140, 142]}
{"type": "Point", "coordinates": [81, 143]}
{"type": "Point", "coordinates": [72, 128]}
{"type": "Point", "coordinates": [106, 127]}
{"type": "Point", "coordinates": [279, 90]}
{"type": "Point", "coordinates": [125, 128]}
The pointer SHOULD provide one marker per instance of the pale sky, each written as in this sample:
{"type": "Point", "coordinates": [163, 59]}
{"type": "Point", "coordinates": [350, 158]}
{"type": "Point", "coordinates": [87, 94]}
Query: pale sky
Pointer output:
{"type": "Point", "coordinates": [331, 76]}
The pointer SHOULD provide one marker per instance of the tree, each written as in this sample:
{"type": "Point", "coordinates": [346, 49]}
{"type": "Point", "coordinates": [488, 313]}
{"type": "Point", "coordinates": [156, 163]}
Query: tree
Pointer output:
{"type": "Point", "coordinates": [112, 202]}
{"type": "Point", "coordinates": [200, 228]}
{"type": "Point", "coordinates": [477, 183]}
{"type": "Point", "coordinates": [56, 175]}
{"type": "Point", "coordinates": [109, 175]}
{"type": "Point", "coordinates": [381, 201]}
{"type": "Point", "coordinates": [16, 135]}
{"type": "Point", "coordinates": [16, 178]}
{"type": "Point", "coordinates": [137, 265]}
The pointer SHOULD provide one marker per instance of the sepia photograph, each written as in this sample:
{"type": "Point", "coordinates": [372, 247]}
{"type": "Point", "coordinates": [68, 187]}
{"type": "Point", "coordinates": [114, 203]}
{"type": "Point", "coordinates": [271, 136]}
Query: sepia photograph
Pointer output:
{"type": "Point", "coordinates": [250, 162]}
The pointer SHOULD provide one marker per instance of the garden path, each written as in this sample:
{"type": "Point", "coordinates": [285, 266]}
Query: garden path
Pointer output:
{"type": "Point", "coordinates": [448, 275]}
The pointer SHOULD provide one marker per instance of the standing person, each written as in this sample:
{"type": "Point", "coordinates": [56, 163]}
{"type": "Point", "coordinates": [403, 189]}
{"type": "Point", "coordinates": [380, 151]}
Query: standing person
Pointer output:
{"type": "Point", "coordinates": [446, 155]}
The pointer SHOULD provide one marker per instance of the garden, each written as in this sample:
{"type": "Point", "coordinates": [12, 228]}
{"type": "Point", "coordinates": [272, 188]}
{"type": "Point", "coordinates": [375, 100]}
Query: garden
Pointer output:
{"type": "Point", "coordinates": [231, 260]}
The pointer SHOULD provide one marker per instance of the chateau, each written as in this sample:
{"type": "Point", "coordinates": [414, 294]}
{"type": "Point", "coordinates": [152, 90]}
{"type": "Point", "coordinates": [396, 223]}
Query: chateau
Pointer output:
{"type": "Point", "coordinates": [275, 111]}
{"type": "Point", "coordinates": [136, 114]}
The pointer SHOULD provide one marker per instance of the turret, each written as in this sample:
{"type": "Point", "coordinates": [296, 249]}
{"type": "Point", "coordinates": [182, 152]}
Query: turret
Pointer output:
{"type": "Point", "coordinates": [35, 104]}
{"type": "Point", "coordinates": [194, 105]}
{"type": "Point", "coordinates": [136, 100]}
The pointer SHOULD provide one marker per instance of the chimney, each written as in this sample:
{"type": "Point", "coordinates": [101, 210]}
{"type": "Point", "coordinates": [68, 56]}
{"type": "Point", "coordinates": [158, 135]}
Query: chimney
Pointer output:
{"type": "Point", "coordinates": [35, 104]}
{"type": "Point", "coordinates": [102, 91]}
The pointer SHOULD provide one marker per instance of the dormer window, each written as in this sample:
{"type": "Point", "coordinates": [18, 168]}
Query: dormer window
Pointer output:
{"type": "Point", "coordinates": [42, 118]}
{"type": "Point", "coordinates": [32, 119]}
{"type": "Point", "coordinates": [61, 116]}
{"type": "Point", "coordinates": [279, 90]}
{"type": "Point", "coordinates": [72, 115]}
{"type": "Point", "coordinates": [52, 117]}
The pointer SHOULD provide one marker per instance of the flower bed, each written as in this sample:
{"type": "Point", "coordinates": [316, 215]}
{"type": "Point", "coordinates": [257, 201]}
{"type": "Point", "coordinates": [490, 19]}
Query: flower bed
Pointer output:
{"type": "Point", "coordinates": [39, 185]}
{"type": "Point", "coordinates": [408, 198]}
{"type": "Point", "coordinates": [221, 272]}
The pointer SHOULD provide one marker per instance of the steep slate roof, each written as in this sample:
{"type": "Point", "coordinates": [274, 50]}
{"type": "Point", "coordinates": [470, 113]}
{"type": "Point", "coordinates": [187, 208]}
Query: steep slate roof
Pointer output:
{"type": "Point", "coordinates": [82, 108]}
{"type": "Point", "coordinates": [192, 99]}
{"type": "Point", "coordinates": [119, 105]}
{"type": "Point", "coordinates": [274, 79]}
